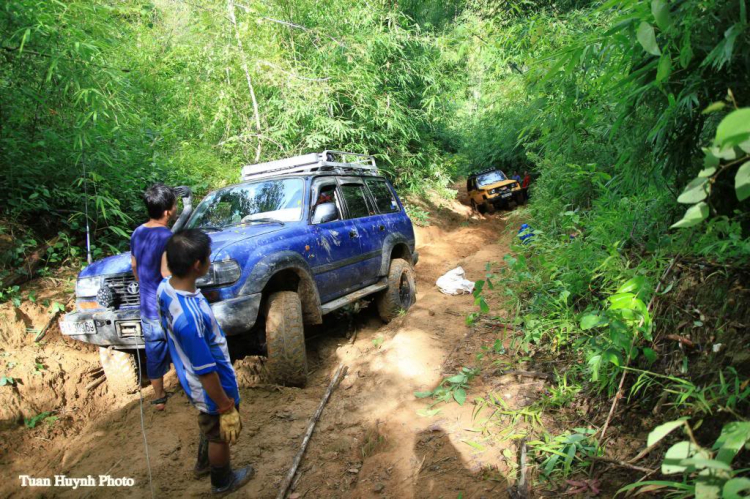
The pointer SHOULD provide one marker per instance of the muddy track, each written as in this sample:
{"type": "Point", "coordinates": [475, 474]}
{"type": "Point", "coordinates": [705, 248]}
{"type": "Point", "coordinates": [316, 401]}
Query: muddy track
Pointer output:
{"type": "Point", "coordinates": [369, 442]}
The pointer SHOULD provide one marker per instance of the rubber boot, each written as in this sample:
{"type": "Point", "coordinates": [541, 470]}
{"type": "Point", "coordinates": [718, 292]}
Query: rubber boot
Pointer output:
{"type": "Point", "coordinates": [225, 481]}
{"type": "Point", "coordinates": [202, 468]}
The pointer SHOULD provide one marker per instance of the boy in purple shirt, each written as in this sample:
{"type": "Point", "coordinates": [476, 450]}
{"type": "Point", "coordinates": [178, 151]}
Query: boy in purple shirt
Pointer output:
{"type": "Point", "coordinates": [148, 257]}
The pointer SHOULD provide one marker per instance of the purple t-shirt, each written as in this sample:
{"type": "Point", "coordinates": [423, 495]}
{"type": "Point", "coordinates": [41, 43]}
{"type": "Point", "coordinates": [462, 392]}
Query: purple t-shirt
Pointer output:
{"type": "Point", "coordinates": [147, 245]}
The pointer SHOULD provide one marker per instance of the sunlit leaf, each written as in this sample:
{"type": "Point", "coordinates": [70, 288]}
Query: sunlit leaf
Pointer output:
{"type": "Point", "coordinates": [674, 456]}
{"type": "Point", "coordinates": [695, 191]}
{"type": "Point", "coordinates": [734, 128]}
{"type": "Point", "coordinates": [459, 394]}
{"type": "Point", "coordinates": [693, 216]}
{"type": "Point", "coordinates": [647, 38]}
{"type": "Point", "coordinates": [742, 181]}
{"type": "Point", "coordinates": [716, 106]}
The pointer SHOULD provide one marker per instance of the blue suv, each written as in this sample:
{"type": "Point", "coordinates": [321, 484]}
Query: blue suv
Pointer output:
{"type": "Point", "coordinates": [296, 240]}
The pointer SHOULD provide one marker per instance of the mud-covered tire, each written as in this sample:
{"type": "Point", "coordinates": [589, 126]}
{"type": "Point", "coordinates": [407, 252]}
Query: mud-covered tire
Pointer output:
{"type": "Point", "coordinates": [482, 208]}
{"type": "Point", "coordinates": [401, 292]}
{"type": "Point", "coordinates": [120, 369]}
{"type": "Point", "coordinates": [285, 340]}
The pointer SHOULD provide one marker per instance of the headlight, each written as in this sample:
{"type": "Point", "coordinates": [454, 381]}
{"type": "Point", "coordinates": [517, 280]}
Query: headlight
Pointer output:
{"type": "Point", "coordinates": [88, 286]}
{"type": "Point", "coordinates": [220, 273]}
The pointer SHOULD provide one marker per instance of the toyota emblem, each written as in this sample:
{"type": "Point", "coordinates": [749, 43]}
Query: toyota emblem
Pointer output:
{"type": "Point", "coordinates": [133, 288]}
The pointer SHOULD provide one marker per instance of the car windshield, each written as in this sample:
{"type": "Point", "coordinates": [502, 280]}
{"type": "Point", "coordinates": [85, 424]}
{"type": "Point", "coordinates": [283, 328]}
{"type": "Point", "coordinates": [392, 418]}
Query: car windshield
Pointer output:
{"type": "Point", "coordinates": [259, 202]}
{"type": "Point", "coordinates": [490, 178]}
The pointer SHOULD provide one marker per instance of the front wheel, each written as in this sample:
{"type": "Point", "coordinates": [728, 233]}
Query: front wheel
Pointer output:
{"type": "Point", "coordinates": [285, 340]}
{"type": "Point", "coordinates": [121, 370]}
{"type": "Point", "coordinates": [401, 292]}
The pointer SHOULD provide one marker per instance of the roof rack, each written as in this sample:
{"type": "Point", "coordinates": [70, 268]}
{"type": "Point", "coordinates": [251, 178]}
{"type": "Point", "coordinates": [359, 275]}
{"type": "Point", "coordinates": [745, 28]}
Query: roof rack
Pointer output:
{"type": "Point", "coordinates": [488, 170]}
{"type": "Point", "coordinates": [335, 161]}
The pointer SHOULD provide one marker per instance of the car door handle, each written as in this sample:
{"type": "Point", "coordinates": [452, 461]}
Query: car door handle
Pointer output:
{"type": "Point", "coordinates": [353, 233]}
{"type": "Point", "coordinates": [381, 227]}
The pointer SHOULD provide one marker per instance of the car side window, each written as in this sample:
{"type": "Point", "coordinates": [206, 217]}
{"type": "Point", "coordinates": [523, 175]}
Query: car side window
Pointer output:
{"type": "Point", "coordinates": [356, 202]}
{"type": "Point", "coordinates": [326, 194]}
{"type": "Point", "coordinates": [384, 198]}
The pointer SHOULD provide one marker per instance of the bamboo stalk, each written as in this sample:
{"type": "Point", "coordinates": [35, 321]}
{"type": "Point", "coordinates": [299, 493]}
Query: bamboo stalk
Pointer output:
{"type": "Point", "coordinates": [341, 371]}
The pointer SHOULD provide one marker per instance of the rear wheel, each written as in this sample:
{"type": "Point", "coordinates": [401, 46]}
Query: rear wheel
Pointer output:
{"type": "Point", "coordinates": [285, 340]}
{"type": "Point", "coordinates": [401, 291]}
{"type": "Point", "coordinates": [120, 369]}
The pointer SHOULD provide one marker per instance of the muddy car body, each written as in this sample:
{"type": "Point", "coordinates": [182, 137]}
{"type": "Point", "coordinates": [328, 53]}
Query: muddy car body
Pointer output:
{"type": "Point", "coordinates": [298, 239]}
{"type": "Point", "coordinates": [491, 189]}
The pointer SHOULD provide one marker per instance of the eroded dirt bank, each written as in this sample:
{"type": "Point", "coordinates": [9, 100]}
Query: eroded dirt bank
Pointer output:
{"type": "Point", "coordinates": [369, 442]}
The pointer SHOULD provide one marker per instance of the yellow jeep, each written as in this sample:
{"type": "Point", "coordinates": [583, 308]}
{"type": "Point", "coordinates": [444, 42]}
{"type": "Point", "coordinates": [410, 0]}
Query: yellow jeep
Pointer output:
{"type": "Point", "coordinates": [491, 189]}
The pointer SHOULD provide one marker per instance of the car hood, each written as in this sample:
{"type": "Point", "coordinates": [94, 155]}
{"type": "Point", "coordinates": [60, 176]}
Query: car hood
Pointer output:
{"type": "Point", "coordinates": [120, 264]}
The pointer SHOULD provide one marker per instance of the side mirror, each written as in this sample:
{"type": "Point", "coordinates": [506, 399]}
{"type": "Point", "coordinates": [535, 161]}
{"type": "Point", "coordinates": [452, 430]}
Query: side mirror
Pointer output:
{"type": "Point", "coordinates": [325, 212]}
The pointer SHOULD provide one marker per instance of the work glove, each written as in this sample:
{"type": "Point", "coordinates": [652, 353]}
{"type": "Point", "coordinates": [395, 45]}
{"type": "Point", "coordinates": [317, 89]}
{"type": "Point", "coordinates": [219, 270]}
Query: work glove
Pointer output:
{"type": "Point", "coordinates": [230, 426]}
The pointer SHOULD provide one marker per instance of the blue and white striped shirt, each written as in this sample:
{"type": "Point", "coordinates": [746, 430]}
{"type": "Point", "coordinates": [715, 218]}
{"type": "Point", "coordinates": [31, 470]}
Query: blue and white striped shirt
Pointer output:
{"type": "Point", "coordinates": [196, 343]}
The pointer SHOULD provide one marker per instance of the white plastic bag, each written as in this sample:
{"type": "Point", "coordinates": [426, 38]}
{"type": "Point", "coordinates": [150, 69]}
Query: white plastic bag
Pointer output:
{"type": "Point", "coordinates": [455, 283]}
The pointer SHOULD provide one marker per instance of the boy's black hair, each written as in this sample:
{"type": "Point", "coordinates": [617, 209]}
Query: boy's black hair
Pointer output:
{"type": "Point", "coordinates": [185, 248]}
{"type": "Point", "coordinates": [159, 198]}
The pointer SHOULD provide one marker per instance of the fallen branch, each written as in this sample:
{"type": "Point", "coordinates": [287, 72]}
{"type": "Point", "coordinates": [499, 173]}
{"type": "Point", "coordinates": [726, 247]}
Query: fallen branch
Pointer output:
{"type": "Point", "coordinates": [341, 371]}
{"type": "Point", "coordinates": [528, 374]}
{"type": "Point", "coordinates": [98, 381]}
{"type": "Point", "coordinates": [521, 489]}
{"type": "Point", "coordinates": [354, 336]}
{"type": "Point", "coordinates": [622, 464]}
{"type": "Point", "coordinates": [43, 332]}
{"type": "Point", "coordinates": [681, 339]}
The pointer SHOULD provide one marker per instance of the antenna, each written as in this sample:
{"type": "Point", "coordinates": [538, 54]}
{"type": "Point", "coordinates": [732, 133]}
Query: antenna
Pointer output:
{"type": "Point", "coordinates": [86, 209]}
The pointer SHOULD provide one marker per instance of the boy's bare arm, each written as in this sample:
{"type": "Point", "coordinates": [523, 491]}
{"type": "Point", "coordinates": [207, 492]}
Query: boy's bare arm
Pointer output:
{"type": "Point", "coordinates": [164, 268]}
{"type": "Point", "coordinates": [213, 387]}
{"type": "Point", "coordinates": [133, 264]}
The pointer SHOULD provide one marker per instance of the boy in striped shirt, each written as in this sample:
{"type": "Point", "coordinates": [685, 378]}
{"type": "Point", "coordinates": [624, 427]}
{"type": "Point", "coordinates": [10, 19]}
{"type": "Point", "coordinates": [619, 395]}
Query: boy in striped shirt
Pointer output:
{"type": "Point", "coordinates": [199, 353]}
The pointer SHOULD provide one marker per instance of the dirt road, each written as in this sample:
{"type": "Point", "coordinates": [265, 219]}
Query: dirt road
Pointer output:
{"type": "Point", "coordinates": [370, 441]}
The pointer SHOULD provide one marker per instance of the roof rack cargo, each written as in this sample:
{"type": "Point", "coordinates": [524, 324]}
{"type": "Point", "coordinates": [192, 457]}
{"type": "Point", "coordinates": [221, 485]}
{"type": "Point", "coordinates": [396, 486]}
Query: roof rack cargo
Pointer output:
{"type": "Point", "coordinates": [335, 161]}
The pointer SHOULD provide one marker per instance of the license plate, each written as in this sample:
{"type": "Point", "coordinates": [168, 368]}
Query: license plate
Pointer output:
{"type": "Point", "coordinates": [506, 194]}
{"type": "Point", "coordinates": [83, 327]}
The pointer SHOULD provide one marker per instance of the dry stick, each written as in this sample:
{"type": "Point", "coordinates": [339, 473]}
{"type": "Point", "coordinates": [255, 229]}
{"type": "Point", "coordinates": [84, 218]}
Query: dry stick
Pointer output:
{"type": "Point", "coordinates": [627, 362]}
{"type": "Point", "coordinates": [522, 484]}
{"type": "Point", "coordinates": [341, 371]}
{"type": "Point", "coordinates": [528, 374]}
{"type": "Point", "coordinates": [95, 383]}
{"type": "Point", "coordinates": [622, 464]}
{"type": "Point", "coordinates": [233, 19]}
{"type": "Point", "coordinates": [43, 332]}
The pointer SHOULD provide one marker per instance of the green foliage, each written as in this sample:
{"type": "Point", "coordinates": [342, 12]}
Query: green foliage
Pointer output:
{"type": "Point", "coordinates": [564, 454]}
{"type": "Point", "coordinates": [33, 421]}
{"type": "Point", "coordinates": [451, 388]}
{"type": "Point", "coordinates": [706, 473]}
{"type": "Point", "coordinates": [102, 99]}
{"type": "Point", "coordinates": [7, 381]}
{"type": "Point", "coordinates": [732, 145]}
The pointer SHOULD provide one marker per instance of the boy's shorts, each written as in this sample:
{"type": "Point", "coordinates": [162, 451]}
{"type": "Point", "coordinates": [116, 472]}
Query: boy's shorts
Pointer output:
{"type": "Point", "coordinates": [157, 350]}
{"type": "Point", "coordinates": [210, 427]}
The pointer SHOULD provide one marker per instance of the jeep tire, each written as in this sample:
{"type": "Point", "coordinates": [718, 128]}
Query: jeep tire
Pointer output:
{"type": "Point", "coordinates": [120, 369]}
{"type": "Point", "coordinates": [285, 340]}
{"type": "Point", "coordinates": [401, 292]}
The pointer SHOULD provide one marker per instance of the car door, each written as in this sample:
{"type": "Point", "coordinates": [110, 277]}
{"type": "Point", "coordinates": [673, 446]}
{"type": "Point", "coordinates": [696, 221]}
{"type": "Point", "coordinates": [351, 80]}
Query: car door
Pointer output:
{"type": "Point", "coordinates": [334, 252]}
{"type": "Point", "coordinates": [388, 220]}
{"type": "Point", "coordinates": [361, 210]}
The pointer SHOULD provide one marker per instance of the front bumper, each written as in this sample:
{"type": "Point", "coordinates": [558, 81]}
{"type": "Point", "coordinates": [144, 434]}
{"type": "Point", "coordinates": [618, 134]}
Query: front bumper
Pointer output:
{"type": "Point", "coordinates": [122, 328]}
